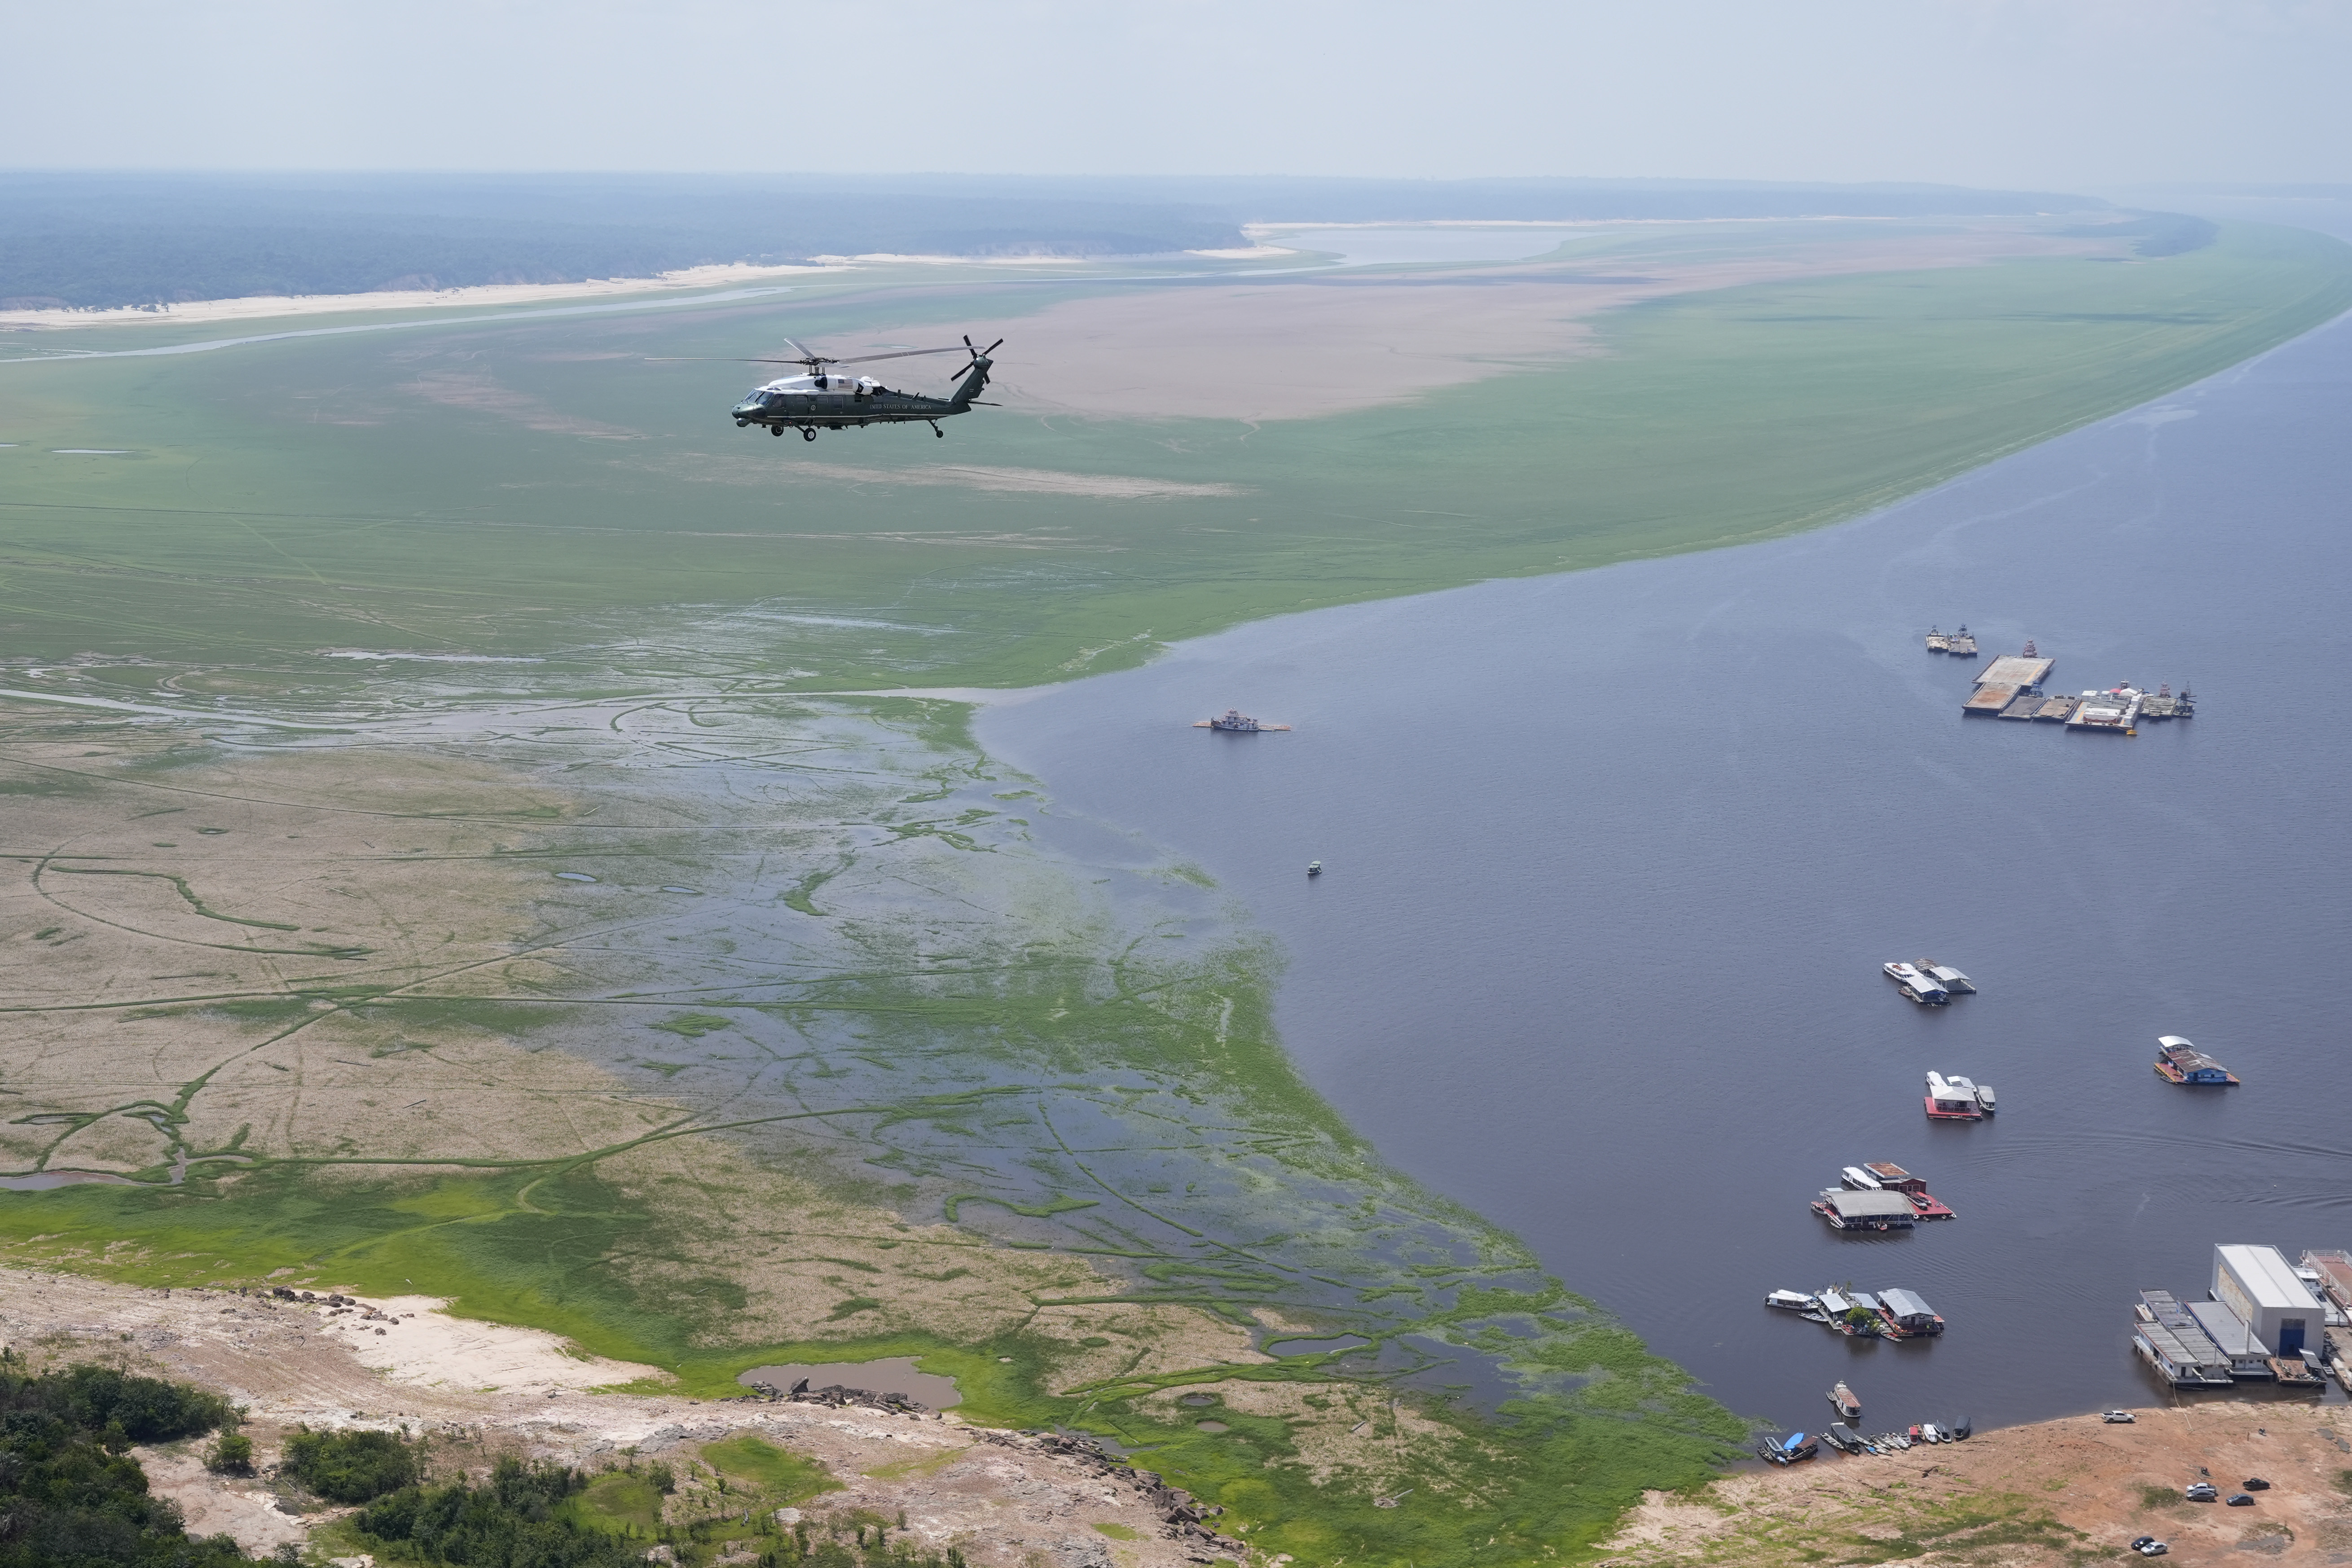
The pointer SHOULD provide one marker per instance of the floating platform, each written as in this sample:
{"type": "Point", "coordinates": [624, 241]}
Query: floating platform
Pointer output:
{"type": "Point", "coordinates": [2169, 1339]}
{"type": "Point", "coordinates": [2115, 710]}
{"type": "Point", "coordinates": [2016, 670]}
{"type": "Point", "coordinates": [1990, 698]}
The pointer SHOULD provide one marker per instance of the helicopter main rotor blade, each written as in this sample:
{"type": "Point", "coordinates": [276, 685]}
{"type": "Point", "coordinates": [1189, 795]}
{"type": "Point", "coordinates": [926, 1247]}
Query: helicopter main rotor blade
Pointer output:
{"type": "Point", "coordinates": [714, 359]}
{"type": "Point", "coordinates": [808, 356]}
{"type": "Point", "coordinates": [902, 353]}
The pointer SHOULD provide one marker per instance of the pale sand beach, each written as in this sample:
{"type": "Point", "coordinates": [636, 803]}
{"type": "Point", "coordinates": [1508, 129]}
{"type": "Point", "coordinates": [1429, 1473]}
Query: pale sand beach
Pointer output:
{"type": "Point", "coordinates": [268, 307]}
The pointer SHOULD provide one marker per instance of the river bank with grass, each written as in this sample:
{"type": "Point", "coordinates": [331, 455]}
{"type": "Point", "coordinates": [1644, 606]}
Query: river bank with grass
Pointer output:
{"type": "Point", "coordinates": [529, 927]}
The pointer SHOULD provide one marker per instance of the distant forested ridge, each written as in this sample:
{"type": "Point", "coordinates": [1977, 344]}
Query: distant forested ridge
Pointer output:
{"type": "Point", "coordinates": [85, 241]}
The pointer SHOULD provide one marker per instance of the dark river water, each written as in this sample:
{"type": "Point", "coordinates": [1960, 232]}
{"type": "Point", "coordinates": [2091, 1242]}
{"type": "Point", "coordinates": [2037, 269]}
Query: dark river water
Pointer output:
{"type": "Point", "coordinates": [1614, 859]}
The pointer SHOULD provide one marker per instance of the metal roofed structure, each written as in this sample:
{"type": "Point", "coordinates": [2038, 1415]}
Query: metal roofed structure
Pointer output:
{"type": "Point", "coordinates": [2247, 1356]}
{"type": "Point", "coordinates": [2262, 1287]}
{"type": "Point", "coordinates": [1909, 1311]}
{"type": "Point", "coordinates": [1867, 1210]}
{"type": "Point", "coordinates": [2015, 670]}
{"type": "Point", "coordinates": [2174, 1343]}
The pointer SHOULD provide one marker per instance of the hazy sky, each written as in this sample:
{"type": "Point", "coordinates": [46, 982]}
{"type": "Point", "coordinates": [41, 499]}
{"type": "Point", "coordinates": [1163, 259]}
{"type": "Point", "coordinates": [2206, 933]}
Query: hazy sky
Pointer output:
{"type": "Point", "coordinates": [2065, 93]}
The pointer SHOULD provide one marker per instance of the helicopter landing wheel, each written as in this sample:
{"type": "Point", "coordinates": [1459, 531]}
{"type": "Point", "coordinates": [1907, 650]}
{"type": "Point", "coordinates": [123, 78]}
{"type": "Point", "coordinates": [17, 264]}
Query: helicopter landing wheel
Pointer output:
{"type": "Point", "coordinates": [775, 429]}
{"type": "Point", "coordinates": [808, 432]}
{"type": "Point", "coordinates": [940, 433]}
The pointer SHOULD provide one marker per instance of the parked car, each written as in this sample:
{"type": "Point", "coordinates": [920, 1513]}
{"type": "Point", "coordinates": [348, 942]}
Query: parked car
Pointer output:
{"type": "Point", "coordinates": [2256, 1484]}
{"type": "Point", "coordinates": [2203, 1491]}
{"type": "Point", "coordinates": [2150, 1546]}
{"type": "Point", "coordinates": [2241, 1499]}
{"type": "Point", "coordinates": [2114, 1417]}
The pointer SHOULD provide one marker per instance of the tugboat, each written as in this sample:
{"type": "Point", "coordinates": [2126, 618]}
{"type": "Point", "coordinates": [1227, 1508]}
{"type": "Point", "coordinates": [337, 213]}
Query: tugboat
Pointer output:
{"type": "Point", "coordinates": [1938, 642]}
{"type": "Point", "coordinates": [1235, 722]}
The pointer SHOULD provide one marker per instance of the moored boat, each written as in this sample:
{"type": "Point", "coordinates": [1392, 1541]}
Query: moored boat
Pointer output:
{"type": "Point", "coordinates": [1792, 1301]}
{"type": "Point", "coordinates": [1860, 1179]}
{"type": "Point", "coordinates": [1985, 1098]}
{"type": "Point", "coordinates": [2178, 1061]}
{"type": "Point", "coordinates": [1234, 722]}
{"type": "Point", "coordinates": [1848, 1407]}
{"type": "Point", "coordinates": [1938, 642]}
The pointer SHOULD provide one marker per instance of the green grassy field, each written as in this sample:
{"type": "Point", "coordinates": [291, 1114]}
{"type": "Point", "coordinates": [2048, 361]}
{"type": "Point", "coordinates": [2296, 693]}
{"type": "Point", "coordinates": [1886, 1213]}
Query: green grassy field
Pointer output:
{"type": "Point", "coordinates": [288, 497]}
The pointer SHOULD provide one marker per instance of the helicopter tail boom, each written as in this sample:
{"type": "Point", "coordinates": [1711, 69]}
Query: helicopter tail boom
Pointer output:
{"type": "Point", "coordinates": [975, 374]}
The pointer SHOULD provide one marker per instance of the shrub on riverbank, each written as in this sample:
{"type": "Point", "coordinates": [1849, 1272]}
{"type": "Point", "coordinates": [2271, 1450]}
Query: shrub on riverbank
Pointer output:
{"type": "Point", "coordinates": [71, 1497]}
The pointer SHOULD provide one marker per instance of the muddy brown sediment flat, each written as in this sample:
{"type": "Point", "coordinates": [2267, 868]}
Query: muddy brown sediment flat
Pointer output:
{"type": "Point", "coordinates": [1320, 343]}
{"type": "Point", "coordinates": [892, 1374]}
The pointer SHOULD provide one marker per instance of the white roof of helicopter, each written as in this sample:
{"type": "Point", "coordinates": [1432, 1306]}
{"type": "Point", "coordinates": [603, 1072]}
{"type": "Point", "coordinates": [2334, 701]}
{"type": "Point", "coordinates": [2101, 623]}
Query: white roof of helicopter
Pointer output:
{"type": "Point", "coordinates": [808, 384]}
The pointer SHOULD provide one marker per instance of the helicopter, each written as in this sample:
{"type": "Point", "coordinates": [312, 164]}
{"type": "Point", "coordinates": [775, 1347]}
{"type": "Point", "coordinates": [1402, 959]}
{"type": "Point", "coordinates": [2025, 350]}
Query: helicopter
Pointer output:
{"type": "Point", "coordinates": [820, 400]}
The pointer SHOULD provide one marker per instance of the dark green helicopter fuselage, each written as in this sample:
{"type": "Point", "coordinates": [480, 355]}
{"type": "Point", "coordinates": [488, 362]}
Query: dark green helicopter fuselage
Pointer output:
{"type": "Point", "coordinates": [821, 402]}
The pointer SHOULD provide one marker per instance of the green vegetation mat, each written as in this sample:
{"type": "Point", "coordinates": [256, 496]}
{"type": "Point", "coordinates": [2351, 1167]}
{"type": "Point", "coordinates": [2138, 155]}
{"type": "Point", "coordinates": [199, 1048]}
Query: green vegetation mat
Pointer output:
{"type": "Point", "coordinates": [505, 488]}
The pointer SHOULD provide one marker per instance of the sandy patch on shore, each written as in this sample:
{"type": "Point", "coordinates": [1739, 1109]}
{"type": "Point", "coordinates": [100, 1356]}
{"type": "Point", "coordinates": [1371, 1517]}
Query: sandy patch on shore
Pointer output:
{"type": "Point", "coordinates": [1004, 1501]}
{"type": "Point", "coordinates": [412, 1339]}
{"type": "Point", "coordinates": [2084, 1477]}
{"type": "Point", "coordinates": [264, 306]}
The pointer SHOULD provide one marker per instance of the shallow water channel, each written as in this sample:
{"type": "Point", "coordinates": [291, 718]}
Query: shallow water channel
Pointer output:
{"type": "Point", "coordinates": [1613, 860]}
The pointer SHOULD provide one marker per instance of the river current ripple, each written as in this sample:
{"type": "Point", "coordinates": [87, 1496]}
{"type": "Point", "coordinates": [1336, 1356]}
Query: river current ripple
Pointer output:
{"type": "Point", "coordinates": [1614, 859]}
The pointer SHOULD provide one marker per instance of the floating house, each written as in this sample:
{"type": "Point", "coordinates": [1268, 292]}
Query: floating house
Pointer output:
{"type": "Point", "coordinates": [2178, 1061]}
{"type": "Point", "coordinates": [2169, 1339]}
{"type": "Point", "coordinates": [1866, 1210]}
{"type": "Point", "coordinates": [1907, 1314]}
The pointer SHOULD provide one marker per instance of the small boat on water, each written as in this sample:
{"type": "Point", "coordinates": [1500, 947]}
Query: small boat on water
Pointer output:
{"type": "Point", "coordinates": [1234, 722]}
{"type": "Point", "coordinates": [1860, 1179]}
{"type": "Point", "coordinates": [2178, 1061]}
{"type": "Point", "coordinates": [1938, 642]}
{"type": "Point", "coordinates": [1952, 1098]}
{"type": "Point", "coordinates": [1918, 985]}
{"type": "Point", "coordinates": [1789, 1452]}
{"type": "Point", "coordinates": [1845, 1439]}
{"type": "Point", "coordinates": [1945, 975]}
{"type": "Point", "coordinates": [1848, 1408]}
{"type": "Point", "coordinates": [1985, 1098]}
{"type": "Point", "coordinates": [1315, 868]}
{"type": "Point", "coordinates": [1792, 1301]}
